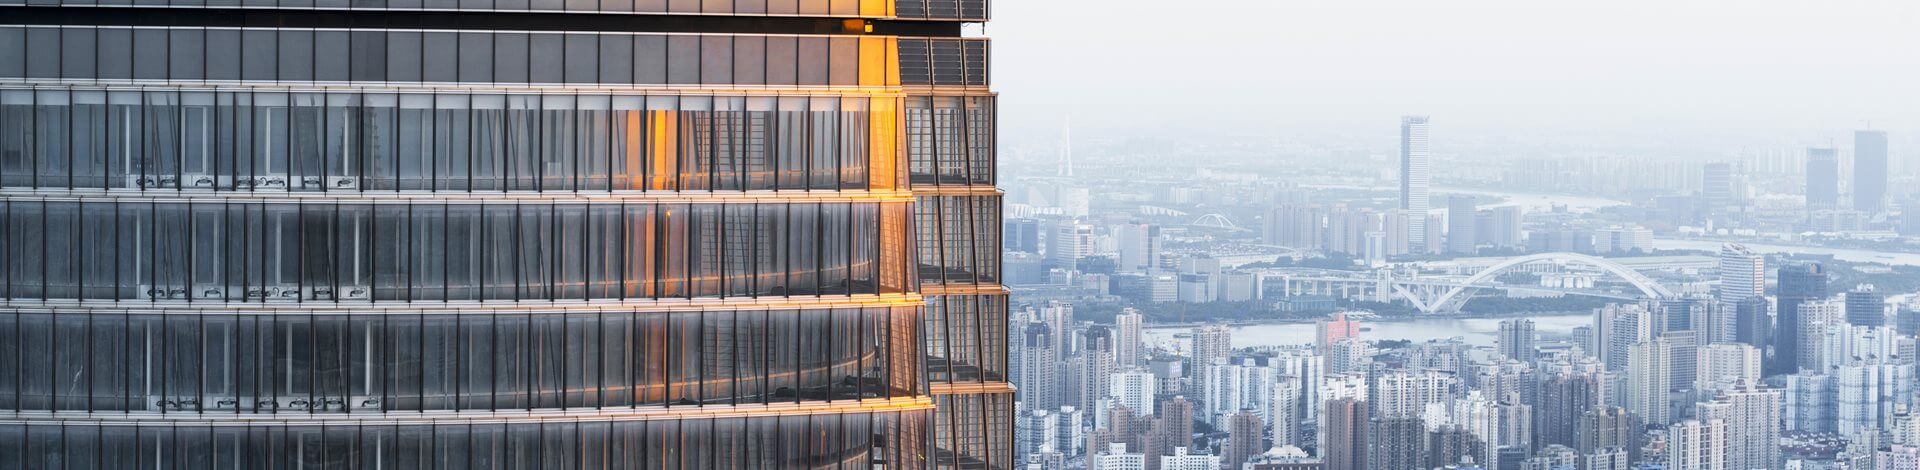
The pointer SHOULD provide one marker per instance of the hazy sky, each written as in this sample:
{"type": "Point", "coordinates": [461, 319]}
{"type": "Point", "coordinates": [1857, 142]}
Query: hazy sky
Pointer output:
{"type": "Point", "coordinates": [1716, 73]}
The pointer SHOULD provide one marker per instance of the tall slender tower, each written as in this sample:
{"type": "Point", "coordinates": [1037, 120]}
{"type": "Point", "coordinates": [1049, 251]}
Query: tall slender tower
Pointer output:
{"type": "Point", "coordinates": [1743, 274]}
{"type": "Point", "coordinates": [1797, 284]}
{"type": "Point", "coordinates": [1870, 171]}
{"type": "Point", "coordinates": [457, 233]}
{"type": "Point", "coordinates": [1415, 165]}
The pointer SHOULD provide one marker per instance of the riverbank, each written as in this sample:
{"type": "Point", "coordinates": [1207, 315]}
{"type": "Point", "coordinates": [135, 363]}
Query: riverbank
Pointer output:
{"type": "Point", "coordinates": [1373, 319]}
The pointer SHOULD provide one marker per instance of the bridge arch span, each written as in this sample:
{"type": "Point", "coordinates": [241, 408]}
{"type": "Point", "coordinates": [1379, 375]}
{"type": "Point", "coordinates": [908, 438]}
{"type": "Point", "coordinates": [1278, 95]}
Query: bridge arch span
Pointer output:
{"type": "Point", "coordinates": [1454, 298]}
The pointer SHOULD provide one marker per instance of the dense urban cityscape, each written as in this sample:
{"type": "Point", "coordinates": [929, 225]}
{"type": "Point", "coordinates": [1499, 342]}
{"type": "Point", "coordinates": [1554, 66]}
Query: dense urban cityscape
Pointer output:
{"type": "Point", "coordinates": [1749, 312]}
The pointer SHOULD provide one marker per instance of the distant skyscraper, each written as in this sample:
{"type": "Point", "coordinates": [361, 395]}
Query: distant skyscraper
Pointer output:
{"type": "Point", "coordinates": [1460, 225]}
{"type": "Point", "coordinates": [1716, 187]}
{"type": "Point", "coordinates": [1753, 323]}
{"type": "Point", "coordinates": [1797, 284]}
{"type": "Point", "coordinates": [1126, 341]}
{"type": "Point", "coordinates": [1728, 363]}
{"type": "Point", "coordinates": [1865, 307]}
{"type": "Point", "coordinates": [1516, 339]}
{"type": "Point", "coordinates": [1415, 166]}
{"type": "Point", "coordinates": [1743, 273]}
{"type": "Point", "coordinates": [1870, 171]}
{"type": "Point", "coordinates": [1139, 247]}
{"type": "Point", "coordinates": [1697, 445]}
{"type": "Point", "coordinates": [1563, 397]}
{"type": "Point", "coordinates": [1343, 428]}
{"type": "Point", "coordinates": [1823, 178]}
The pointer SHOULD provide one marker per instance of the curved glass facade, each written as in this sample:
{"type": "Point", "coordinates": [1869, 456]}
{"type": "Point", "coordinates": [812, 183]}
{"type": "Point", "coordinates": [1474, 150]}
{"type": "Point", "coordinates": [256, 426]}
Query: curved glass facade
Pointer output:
{"type": "Point", "coordinates": [685, 234]}
{"type": "Point", "coordinates": [820, 441]}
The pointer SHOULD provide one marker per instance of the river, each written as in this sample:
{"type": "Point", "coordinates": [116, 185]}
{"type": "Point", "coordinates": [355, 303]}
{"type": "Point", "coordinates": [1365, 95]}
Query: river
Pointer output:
{"type": "Point", "coordinates": [1475, 331]}
{"type": "Point", "coordinates": [1843, 254]}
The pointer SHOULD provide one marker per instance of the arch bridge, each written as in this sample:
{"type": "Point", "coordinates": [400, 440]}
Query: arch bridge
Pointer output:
{"type": "Point", "coordinates": [1449, 297]}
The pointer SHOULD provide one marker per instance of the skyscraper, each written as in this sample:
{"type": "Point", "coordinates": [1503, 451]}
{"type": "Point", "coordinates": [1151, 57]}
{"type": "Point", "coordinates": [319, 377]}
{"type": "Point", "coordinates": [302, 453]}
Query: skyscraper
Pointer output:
{"type": "Point", "coordinates": [1797, 284]}
{"type": "Point", "coordinates": [1743, 273]}
{"type": "Point", "coordinates": [1126, 341]}
{"type": "Point", "coordinates": [1716, 187]}
{"type": "Point", "coordinates": [1037, 367]}
{"type": "Point", "coordinates": [1649, 378]}
{"type": "Point", "coordinates": [1244, 431]}
{"type": "Point", "coordinates": [1865, 307]}
{"type": "Point", "coordinates": [1460, 225]}
{"type": "Point", "coordinates": [1823, 178]}
{"type": "Point", "coordinates": [627, 232]}
{"type": "Point", "coordinates": [1870, 171]}
{"type": "Point", "coordinates": [1608, 427]}
{"type": "Point", "coordinates": [1752, 415]}
{"type": "Point", "coordinates": [1415, 165]}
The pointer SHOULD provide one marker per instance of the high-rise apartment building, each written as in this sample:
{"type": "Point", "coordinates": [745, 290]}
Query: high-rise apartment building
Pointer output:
{"type": "Point", "coordinates": [1126, 341]}
{"type": "Point", "coordinates": [1866, 307]}
{"type": "Point", "coordinates": [1649, 378]}
{"type": "Point", "coordinates": [1516, 339]}
{"type": "Point", "coordinates": [1698, 445]}
{"type": "Point", "coordinates": [1608, 427]}
{"type": "Point", "coordinates": [393, 234]}
{"type": "Point", "coordinates": [1343, 434]}
{"type": "Point", "coordinates": [1870, 171]}
{"type": "Point", "coordinates": [1416, 165]}
{"type": "Point", "coordinates": [1752, 415]}
{"type": "Point", "coordinates": [1461, 222]}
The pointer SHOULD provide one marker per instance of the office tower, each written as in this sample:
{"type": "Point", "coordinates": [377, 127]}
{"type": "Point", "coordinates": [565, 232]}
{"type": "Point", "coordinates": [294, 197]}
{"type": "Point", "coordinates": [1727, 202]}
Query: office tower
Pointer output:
{"type": "Point", "coordinates": [1395, 443]}
{"type": "Point", "coordinates": [1506, 229]}
{"type": "Point", "coordinates": [1116, 457]}
{"type": "Point", "coordinates": [1563, 397]}
{"type": "Point", "coordinates": [1331, 330]}
{"type": "Point", "coordinates": [1139, 247]}
{"type": "Point", "coordinates": [1126, 343]}
{"type": "Point", "coordinates": [1070, 241]}
{"type": "Point", "coordinates": [1723, 364]}
{"type": "Point", "coordinates": [1683, 355]}
{"type": "Point", "coordinates": [1796, 284]}
{"type": "Point", "coordinates": [1343, 434]}
{"type": "Point", "coordinates": [1743, 273]}
{"type": "Point", "coordinates": [479, 214]}
{"type": "Point", "coordinates": [1608, 427]}
{"type": "Point", "coordinates": [1753, 323]}
{"type": "Point", "coordinates": [1649, 378]}
{"type": "Point", "coordinates": [1870, 171]}
{"type": "Point", "coordinates": [1865, 307]}
{"type": "Point", "coordinates": [1752, 415]}
{"type": "Point", "coordinates": [1823, 178]}
{"type": "Point", "coordinates": [1716, 187]}
{"type": "Point", "coordinates": [1697, 445]}
{"type": "Point", "coordinates": [1460, 224]}
{"type": "Point", "coordinates": [1516, 339]}
{"type": "Point", "coordinates": [1211, 343]}
{"type": "Point", "coordinates": [1181, 460]}
{"type": "Point", "coordinates": [1244, 432]}
{"type": "Point", "coordinates": [1415, 166]}
{"type": "Point", "coordinates": [1022, 235]}
{"type": "Point", "coordinates": [1038, 368]}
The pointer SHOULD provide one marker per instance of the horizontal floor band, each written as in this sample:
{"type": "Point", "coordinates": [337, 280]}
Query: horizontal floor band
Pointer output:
{"type": "Point", "coordinates": [476, 20]}
{"type": "Point", "coordinates": [462, 197]}
{"type": "Point", "coordinates": [467, 417]}
{"type": "Point", "coordinates": [175, 307]}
